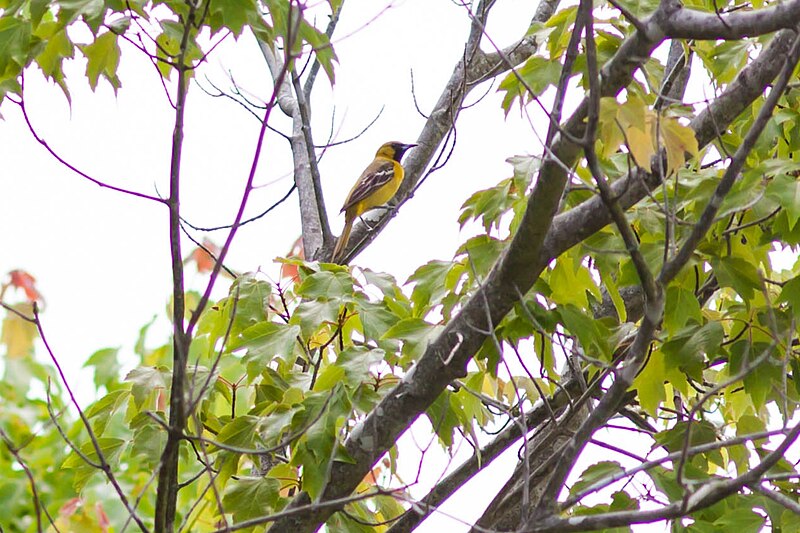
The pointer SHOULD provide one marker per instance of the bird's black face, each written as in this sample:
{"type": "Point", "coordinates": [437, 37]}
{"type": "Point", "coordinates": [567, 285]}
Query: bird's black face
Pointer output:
{"type": "Point", "coordinates": [400, 149]}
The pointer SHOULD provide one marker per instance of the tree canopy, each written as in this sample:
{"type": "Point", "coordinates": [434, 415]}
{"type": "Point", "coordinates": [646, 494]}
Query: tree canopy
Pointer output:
{"type": "Point", "coordinates": [627, 284]}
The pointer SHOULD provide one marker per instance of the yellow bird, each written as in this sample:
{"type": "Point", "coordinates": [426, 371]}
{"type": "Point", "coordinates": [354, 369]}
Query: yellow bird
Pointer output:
{"type": "Point", "coordinates": [376, 186]}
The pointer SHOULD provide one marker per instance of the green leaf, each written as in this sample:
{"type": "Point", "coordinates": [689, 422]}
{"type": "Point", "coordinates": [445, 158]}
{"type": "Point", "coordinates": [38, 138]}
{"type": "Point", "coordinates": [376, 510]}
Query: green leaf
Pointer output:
{"type": "Point", "coordinates": [443, 417]}
{"type": "Point", "coordinates": [169, 47]}
{"type": "Point", "coordinates": [383, 281]}
{"type": "Point", "coordinates": [149, 440]}
{"type": "Point", "coordinates": [482, 252]}
{"type": "Point", "coordinates": [376, 319]}
{"type": "Point", "coordinates": [327, 285]}
{"type": "Point", "coordinates": [592, 334]}
{"type": "Point", "coordinates": [241, 432]}
{"type": "Point", "coordinates": [489, 205]}
{"type": "Point", "coordinates": [38, 8]}
{"type": "Point", "coordinates": [106, 367]}
{"type": "Point", "coordinates": [266, 341]}
{"type": "Point", "coordinates": [235, 15]}
{"type": "Point", "coordinates": [415, 334]}
{"type": "Point", "coordinates": [313, 314]}
{"type": "Point", "coordinates": [330, 376]}
{"type": "Point", "coordinates": [145, 381]}
{"type": "Point", "coordinates": [759, 381]}
{"type": "Point", "coordinates": [702, 432]}
{"type": "Point", "coordinates": [109, 447]}
{"type": "Point", "coordinates": [785, 189]}
{"type": "Point", "coordinates": [739, 274]}
{"type": "Point", "coordinates": [120, 25]}
{"type": "Point", "coordinates": [622, 501]}
{"type": "Point", "coordinates": [70, 10]}
{"type": "Point", "coordinates": [790, 293]}
{"type": "Point", "coordinates": [278, 422]}
{"type": "Point", "coordinates": [569, 283]}
{"type": "Point", "coordinates": [104, 408]}
{"type": "Point", "coordinates": [616, 298]}
{"type": "Point", "coordinates": [322, 48]}
{"type": "Point", "coordinates": [51, 59]}
{"type": "Point", "coordinates": [686, 349]}
{"type": "Point", "coordinates": [649, 384]}
{"type": "Point", "coordinates": [665, 482]}
{"type": "Point", "coordinates": [321, 444]}
{"type": "Point", "coordinates": [680, 307]}
{"type": "Point", "coordinates": [529, 80]}
{"type": "Point", "coordinates": [429, 285]}
{"type": "Point", "coordinates": [252, 297]}
{"type": "Point", "coordinates": [251, 497]}
{"type": "Point", "coordinates": [594, 473]}
{"type": "Point", "coordinates": [15, 36]}
{"type": "Point", "coordinates": [740, 520]}
{"type": "Point", "coordinates": [724, 59]}
{"type": "Point", "coordinates": [356, 363]}
{"type": "Point", "coordinates": [102, 59]}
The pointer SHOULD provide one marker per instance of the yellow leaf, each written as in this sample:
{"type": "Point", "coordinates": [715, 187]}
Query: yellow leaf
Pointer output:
{"type": "Point", "coordinates": [634, 113]}
{"type": "Point", "coordinates": [650, 384]}
{"type": "Point", "coordinates": [678, 141]}
{"type": "Point", "coordinates": [608, 132]}
{"type": "Point", "coordinates": [18, 334]}
{"type": "Point", "coordinates": [641, 146]}
{"type": "Point", "coordinates": [632, 122]}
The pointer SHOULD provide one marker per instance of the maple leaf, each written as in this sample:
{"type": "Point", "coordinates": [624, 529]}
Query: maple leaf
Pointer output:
{"type": "Point", "coordinates": [22, 280]}
{"type": "Point", "coordinates": [202, 259]}
{"type": "Point", "coordinates": [18, 334]}
{"type": "Point", "coordinates": [289, 270]}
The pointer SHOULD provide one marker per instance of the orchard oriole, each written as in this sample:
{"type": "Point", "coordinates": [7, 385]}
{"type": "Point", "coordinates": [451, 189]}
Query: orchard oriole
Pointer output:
{"type": "Point", "coordinates": [376, 186]}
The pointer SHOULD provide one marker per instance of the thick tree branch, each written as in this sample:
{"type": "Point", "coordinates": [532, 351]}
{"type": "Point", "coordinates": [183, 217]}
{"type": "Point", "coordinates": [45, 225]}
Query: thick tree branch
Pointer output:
{"type": "Point", "coordinates": [167, 491]}
{"type": "Point", "coordinates": [691, 24]}
{"type": "Point", "coordinates": [313, 218]}
{"type": "Point", "coordinates": [533, 419]}
{"type": "Point", "coordinates": [564, 396]}
{"type": "Point", "coordinates": [706, 496]}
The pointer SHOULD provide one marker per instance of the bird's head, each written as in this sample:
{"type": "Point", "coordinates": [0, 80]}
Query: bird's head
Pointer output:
{"type": "Point", "coordinates": [394, 150]}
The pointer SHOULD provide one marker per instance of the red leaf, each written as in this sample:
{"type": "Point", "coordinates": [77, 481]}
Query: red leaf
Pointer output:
{"type": "Point", "coordinates": [289, 271]}
{"type": "Point", "coordinates": [102, 517]}
{"type": "Point", "coordinates": [205, 262]}
{"type": "Point", "coordinates": [69, 508]}
{"type": "Point", "coordinates": [22, 280]}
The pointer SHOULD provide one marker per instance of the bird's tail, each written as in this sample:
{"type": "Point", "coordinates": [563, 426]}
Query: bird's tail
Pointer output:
{"type": "Point", "coordinates": [341, 244]}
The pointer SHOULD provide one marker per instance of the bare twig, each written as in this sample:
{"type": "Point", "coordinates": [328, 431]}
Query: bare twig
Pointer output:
{"type": "Point", "coordinates": [41, 141]}
{"type": "Point", "coordinates": [102, 464]}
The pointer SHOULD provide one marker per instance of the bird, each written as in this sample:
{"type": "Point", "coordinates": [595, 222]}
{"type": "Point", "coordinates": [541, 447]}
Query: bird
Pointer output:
{"type": "Point", "coordinates": [376, 186]}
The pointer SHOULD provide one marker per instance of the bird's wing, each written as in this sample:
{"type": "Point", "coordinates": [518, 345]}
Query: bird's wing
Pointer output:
{"type": "Point", "coordinates": [377, 174]}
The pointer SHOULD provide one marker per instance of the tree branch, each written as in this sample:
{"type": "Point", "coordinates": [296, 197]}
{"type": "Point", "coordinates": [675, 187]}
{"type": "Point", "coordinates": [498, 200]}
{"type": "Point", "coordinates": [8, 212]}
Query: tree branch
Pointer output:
{"type": "Point", "coordinates": [691, 24]}
{"type": "Point", "coordinates": [313, 218]}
